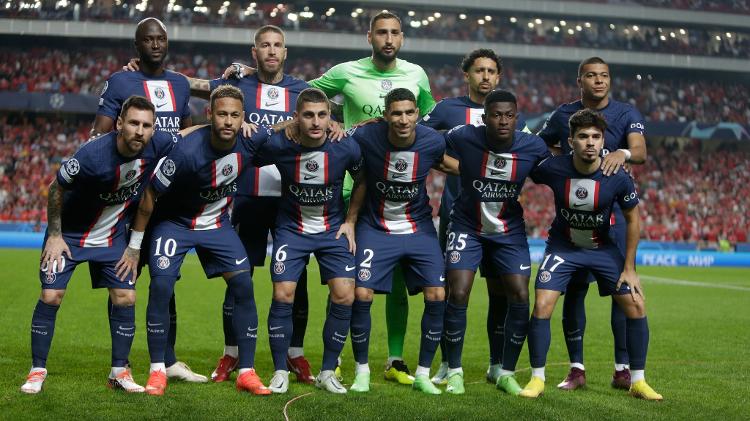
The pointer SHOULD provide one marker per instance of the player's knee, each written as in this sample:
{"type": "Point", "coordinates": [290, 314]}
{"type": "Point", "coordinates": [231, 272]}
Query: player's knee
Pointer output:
{"type": "Point", "coordinates": [543, 307]}
{"type": "Point", "coordinates": [363, 294]}
{"type": "Point", "coordinates": [520, 295]}
{"type": "Point", "coordinates": [283, 295]}
{"type": "Point", "coordinates": [434, 294]}
{"type": "Point", "coordinates": [52, 297]}
{"type": "Point", "coordinates": [458, 296]}
{"type": "Point", "coordinates": [122, 297]}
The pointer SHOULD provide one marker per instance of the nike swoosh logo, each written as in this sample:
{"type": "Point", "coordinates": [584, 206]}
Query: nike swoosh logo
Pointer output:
{"type": "Point", "coordinates": [578, 205]}
{"type": "Point", "coordinates": [429, 332]}
{"type": "Point", "coordinates": [271, 104]}
{"type": "Point", "coordinates": [493, 172]}
{"type": "Point", "coordinates": [358, 336]}
{"type": "Point", "coordinates": [525, 267]}
{"type": "Point", "coordinates": [310, 177]}
{"type": "Point", "coordinates": [451, 333]}
{"type": "Point", "coordinates": [252, 329]}
{"type": "Point", "coordinates": [126, 328]}
{"type": "Point", "coordinates": [573, 332]}
{"type": "Point", "coordinates": [339, 335]}
{"type": "Point", "coordinates": [131, 283]}
{"type": "Point", "coordinates": [275, 327]}
{"type": "Point", "coordinates": [442, 278]}
{"type": "Point", "coordinates": [161, 105]}
{"type": "Point", "coordinates": [398, 175]}
{"type": "Point", "coordinates": [349, 269]}
{"type": "Point", "coordinates": [37, 327]}
{"type": "Point", "coordinates": [153, 324]}
{"type": "Point", "coordinates": [518, 337]}
{"type": "Point", "coordinates": [237, 262]}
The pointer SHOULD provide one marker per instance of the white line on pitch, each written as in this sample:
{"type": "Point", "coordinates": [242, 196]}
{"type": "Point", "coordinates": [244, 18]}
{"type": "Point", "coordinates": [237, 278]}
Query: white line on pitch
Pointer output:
{"type": "Point", "coordinates": [671, 281]}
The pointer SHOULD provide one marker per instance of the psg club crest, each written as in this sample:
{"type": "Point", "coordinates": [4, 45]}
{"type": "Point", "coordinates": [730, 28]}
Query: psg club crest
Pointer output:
{"type": "Point", "coordinates": [168, 168]}
{"type": "Point", "coordinates": [500, 162]}
{"type": "Point", "coordinates": [279, 268]}
{"type": "Point", "coordinates": [401, 165]}
{"type": "Point", "coordinates": [72, 166]}
{"type": "Point", "coordinates": [159, 93]}
{"type": "Point", "coordinates": [386, 85]}
{"type": "Point", "coordinates": [162, 262]}
{"type": "Point", "coordinates": [545, 276]}
{"type": "Point", "coordinates": [129, 175]}
{"type": "Point", "coordinates": [311, 165]}
{"type": "Point", "coordinates": [582, 193]}
{"type": "Point", "coordinates": [454, 257]}
{"type": "Point", "coordinates": [364, 274]}
{"type": "Point", "coordinates": [273, 93]}
{"type": "Point", "coordinates": [227, 170]}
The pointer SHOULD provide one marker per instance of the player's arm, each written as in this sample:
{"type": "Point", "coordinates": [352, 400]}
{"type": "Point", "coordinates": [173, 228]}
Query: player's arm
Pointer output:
{"type": "Point", "coordinates": [633, 233]}
{"type": "Point", "coordinates": [448, 165]}
{"type": "Point", "coordinates": [102, 125]}
{"type": "Point", "coordinates": [200, 88]}
{"type": "Point", "coordinates": [634, 154]}
{"type": "Point", "coordinates": [55, 246]}
{"type": "Point", "coordinates": [129, 261]}
{"type": "Point", "coordinates": [355, 205]}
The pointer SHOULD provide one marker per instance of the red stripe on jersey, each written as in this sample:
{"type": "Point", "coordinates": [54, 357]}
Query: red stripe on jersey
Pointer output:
{"type": "Point", "coordinates": [514, 167]}
{"type": "Point", "coordinates": [567, 195]}
{"type": "Point", "coordinates": [325, 217]}
{"type": "Point", "coordinates": [479, 204]}
{"type": "Point", "coordinates": [297, 159]}
{"type": "Point", "coordinates": [416, 167]}
{"type": "Point", "coordinates": [286, 100]}
{"type": "Point", "coordinates": [239, 163]}
{"type": "Point", "coordinates": [468, 116]}
{"type": "Point", "coordinates": [195, 218]}
{"type": "Point", "coordinates": [386, 163]}
{"type": "Point", "coordinates": [409, 218]}
{"type": "Point", "coordinates": [325, 164]}
{"type": "Point", "coordinates": [381, 211]}
{"type": "Point", "coordinates": [213, 174]}
{"type": "Point", "coordinates": [171, 93]}
{"type": "Point", "coordinates": [256, 182]}
{"type": "Point", "coordinates": [145, 89]}
{"type": "Point", "coordinates": [502, 211]}
{"type": "Point", "coordinates": [596, 195]}
{"type": "Point", "coordinates": [483, 169]}
{"type": "Point", "coordinates": [300, 225]}
{"type": "Point", "coordinates": [88, 231]}
{"type": "Point", "coordinates": [595, 236]}
{"type": "Point", "coordinates": [258, 94]}
{"type": "Point", "coordinates": [612, 218]}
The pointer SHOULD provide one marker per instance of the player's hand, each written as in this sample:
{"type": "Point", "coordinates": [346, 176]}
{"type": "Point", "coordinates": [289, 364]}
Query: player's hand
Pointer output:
{"type": "Point", "coordinates": [612, 162]}
{"type": "Point", "coordinates": [631, 279]}
{"type": "Point", "coordinates": [52, 255]}
{"type": "Point", "coordinates": [128, 264]}
{"type": "Point", "coordinates": [132, 66]}
{"type": "Point", "coordinates": [335, 132]}
{"type": "Point", "coordinates": [238, 71]}
{"type": "Point", "coordinates": [248, 129]}
{"type": "Point", "coordinates": [347, 229]}
{"type": "Point", "coordinates": [292, 132]}
{"type": "Point", "coordinates": [368, 121]}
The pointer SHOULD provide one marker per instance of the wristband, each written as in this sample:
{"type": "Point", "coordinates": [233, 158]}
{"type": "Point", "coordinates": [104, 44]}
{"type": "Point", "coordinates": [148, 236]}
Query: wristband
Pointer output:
{"type": "Point", "coordinates": [136, 238]}
{"type": "Point", "coordinates": [627, 154]}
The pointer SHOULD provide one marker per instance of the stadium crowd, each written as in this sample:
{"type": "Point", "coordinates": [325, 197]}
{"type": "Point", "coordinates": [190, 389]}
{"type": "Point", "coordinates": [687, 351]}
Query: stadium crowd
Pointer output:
{"type": "Point", "coordinates": [694, 200]}
{"type": "Point", "coordinates": [659, 99]}
{"type": "Point", "coordinates": [509, 27]}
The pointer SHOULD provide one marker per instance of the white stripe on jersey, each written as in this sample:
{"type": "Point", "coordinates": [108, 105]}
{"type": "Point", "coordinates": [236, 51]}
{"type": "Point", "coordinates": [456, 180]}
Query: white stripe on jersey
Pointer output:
{"type": "Point", "coordinates": [474, 116]}
{"type": "Point", "coordinates": [499, 166]}
{"type": "Point", "coordinates": [268, 181]}
{"type": "Point", "coordinates": [164, 180]}
{"type": "Point", "coordinates": [272, 97]}
{"type": "Point", "coordinates": [159, 92]}
{"type": "Point", "coordinates": [312, 168]}
{"type": "Point", "coordinates": [583, 194]}
{"type": "Point", "coordinates": [400, 167]}
{"type": "Point", "coordinates": [489, 218]}
{"type": "Point", "coordinates": [100, 232]}
{"type": "Point", "coordinates": [396, 217]}
{"type": "Point", "coordinates": [225, 170]}
{"type": "Point", "coordinates": [312, 219]}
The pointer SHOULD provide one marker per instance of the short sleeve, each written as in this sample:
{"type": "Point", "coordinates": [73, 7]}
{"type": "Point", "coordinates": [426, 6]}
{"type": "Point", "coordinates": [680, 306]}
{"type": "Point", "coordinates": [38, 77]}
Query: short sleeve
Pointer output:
{"type": "Point", "coordinates": [169, 170]}
{"type": "Point", "coordinates": [635, 122]}
{"type": "Point", "coordinates": [331, 82]}
{"type": "Point", "coordinates": [627, 196]}
{"type": "Point", "coordinates": [110, 100]}
{"type": "Point", "coordinates": [425, 102]}
{"type": "Point", "coordinates": [71, 171]}
{"type": "Point", "coordinates": [539, 173]}
{"type": "Point", "coordinates": [450, 141]}
{"type": "Point", "coordinates": [551, 131]}
{"type": "Point", "coordinates": [434, 118]}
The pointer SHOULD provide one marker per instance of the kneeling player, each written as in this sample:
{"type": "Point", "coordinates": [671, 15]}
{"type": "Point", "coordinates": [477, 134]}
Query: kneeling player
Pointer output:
{"type": "Point", "coordinates": [310, 214]}
{"type": "Point", "coordinates": [396, 227]}
{"type": "Point", "coordinates": [579, 239]}
{"type": "Point", "coordinates": [487, 226]}
{"type": "Point", "coordinates": [89, 204]}
{"type": "Point", "coordinates": [195, 185]}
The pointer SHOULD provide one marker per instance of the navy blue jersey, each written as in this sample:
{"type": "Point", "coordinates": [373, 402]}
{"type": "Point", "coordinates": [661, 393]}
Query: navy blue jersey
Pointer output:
{"type": "Point", "coordinates": [311, 179]}
{"type": "Point", "coordinates": [583, 203]}
{"type": "Point", "coordinates": [170, 94]}
{"type": "Point", "coordinates": [265, 105]}
{"type": "Point", "coordinates": [197, 183]}
{"type": "Point", "coordinates": [101, 185]}
{"type": "Point", "coordinates": [622, 119]}
{"type": "Point", "coordinates": [397, 201]}
{"type": "Point", "coordinates": [459, 111]}
{"type": "Point", "coordinates": [491, 180]}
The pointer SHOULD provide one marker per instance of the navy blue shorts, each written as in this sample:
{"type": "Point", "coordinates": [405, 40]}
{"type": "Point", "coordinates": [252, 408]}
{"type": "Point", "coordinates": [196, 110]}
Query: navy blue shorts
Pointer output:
{"type": "Point", "coordinates": [378, 253]}
{"type": "Point", "coordinates": [102, 261]}
{"type": "Point", "coordinates": [468, 251]}
{"type": "Point", "coordinates": [291, 253]}
{"type": "Point", "coordinates": [560, 263]}
{"type": "Point", "coordinates": [219, 250]}
{"type": "Point", "coordinates": [254, 217]}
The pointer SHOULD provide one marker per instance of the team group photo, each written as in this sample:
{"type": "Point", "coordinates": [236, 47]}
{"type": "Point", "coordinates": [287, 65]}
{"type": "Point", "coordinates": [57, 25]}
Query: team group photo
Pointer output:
{"type": "Point", "coordinates": [296, 200]}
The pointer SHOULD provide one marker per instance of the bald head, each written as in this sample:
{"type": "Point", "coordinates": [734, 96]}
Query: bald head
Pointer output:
{"type": "Point", "coordinates": [151, 43]}
{"type": "Point", "coordinates": [146, 24]}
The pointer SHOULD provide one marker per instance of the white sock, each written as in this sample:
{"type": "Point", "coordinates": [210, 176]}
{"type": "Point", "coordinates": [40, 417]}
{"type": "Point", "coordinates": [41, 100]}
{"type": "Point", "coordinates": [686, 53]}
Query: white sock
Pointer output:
{"type": "Point", "coordinates": [33, 369]}
{"type": "Point", "coordinates": [620, 367]}
{"type": "Point", "coordinates": [231, 350]}
{"type": "Point", "coordinates": [391, 359]}
{"type": "Point", "coordinates": [295, 352]}
{"type": "Point", "coordinates": [324, 373]}
{"type": "Point", "coordinates": [637, 375]}
{"type": "Point", "coordinates": [578, 366]}
{"type": "Point", "coordinates": [422, 371]}
{"type": "Point", "coordinates": [452, 371]}
{"type": "Point", "coordinates": [506, 372]}
{"type": "Point", "coordinates": [116, 371]}
{"type": "Point", "coordinates": [361, 368]}
{"type": "Point", "coordinates": [158, 367]}
{"type": "Point", "coordinates": [538, 372]}
{"type": "Point", "coordinates": [244, 370]}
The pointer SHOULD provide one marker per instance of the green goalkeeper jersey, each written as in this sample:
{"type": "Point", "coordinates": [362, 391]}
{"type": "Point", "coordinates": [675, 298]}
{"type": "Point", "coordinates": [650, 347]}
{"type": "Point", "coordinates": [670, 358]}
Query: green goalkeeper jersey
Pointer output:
{"type": "Point", "coordinates": [364, 87]}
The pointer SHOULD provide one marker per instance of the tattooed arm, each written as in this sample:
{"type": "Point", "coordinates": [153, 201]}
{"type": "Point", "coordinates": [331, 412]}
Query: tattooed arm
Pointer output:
{"type": "Point", "coordinates": [55, 247]}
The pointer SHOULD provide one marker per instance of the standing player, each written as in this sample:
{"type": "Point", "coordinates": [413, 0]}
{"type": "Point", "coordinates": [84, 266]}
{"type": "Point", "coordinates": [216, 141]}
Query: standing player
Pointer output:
{"type": "Point", "coordinates": [397, 228]}
{"type": "Point", "coordinates": [364, 83]}
{"type": "Point", "coordinates": [310, 214]}
{"type": "Point", "coordinates": [579, 240]}
{"type": "Point", "coordinates": [487, 228]}
{"type": "Point", "coordinates": [624, 142]}
{"type": "Point", "coordinates": [169, 92]}
{"type": "Point", "coordinates": [195, 186]}
{"type": "Point", "coordinates": [89, 205]}
{"type": "Point", "coordinates": [482, 70]}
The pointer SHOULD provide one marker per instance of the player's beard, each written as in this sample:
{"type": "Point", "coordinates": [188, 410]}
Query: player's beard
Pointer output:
{"type": "Point", "coordinates": [383, 58]}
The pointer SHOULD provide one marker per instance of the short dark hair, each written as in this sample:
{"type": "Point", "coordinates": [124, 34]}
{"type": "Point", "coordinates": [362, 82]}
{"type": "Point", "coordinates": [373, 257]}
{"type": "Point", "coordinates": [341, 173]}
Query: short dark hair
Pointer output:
{"type": "Point", "coordinates": [137, 102]}
{"type": "Point", "coordinates": [384, 15]}
{"type": "Point", "coordinates": [470, 58]}
{"type": "Point", "coordinates": [399, 94]}
{"type": "Point", "coordinates": [586, 118]}
{"type": "Point", "coordinates": [268, 28]}
{"type": "Point", "coordinates": [226, 91]}
{"type": "Point", "coordinates": [590, 60]}
{"type": "Point", "coordinates": [313, 95]}
{"type": "Point", "coordinates": [499, 96]}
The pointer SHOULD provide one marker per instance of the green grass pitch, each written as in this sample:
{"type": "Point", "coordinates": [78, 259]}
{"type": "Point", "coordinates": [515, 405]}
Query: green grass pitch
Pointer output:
{"type": "Point", "coordinates": [699, 356]}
